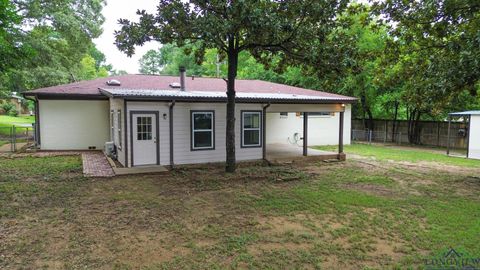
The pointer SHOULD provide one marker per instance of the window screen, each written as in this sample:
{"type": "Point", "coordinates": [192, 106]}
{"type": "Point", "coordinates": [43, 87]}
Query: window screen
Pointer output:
{"type": "Point", "coordinates": [202, 130]}
{"type": "Point", "coordinates": [119, 128]}
{"type": "Point", "coordinates": [251, 127]}
{"type": "Point", "coordinates": [144, 128]}
{"type": "Point", "coordinates": [112, 130]}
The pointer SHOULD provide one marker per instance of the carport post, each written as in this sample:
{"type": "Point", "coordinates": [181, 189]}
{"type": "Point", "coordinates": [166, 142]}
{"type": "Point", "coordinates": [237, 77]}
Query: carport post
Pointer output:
{"type": "Point", "coordinates": [11, 139]}
{"type": "Point", "coordinates": [305, 133]}
{"type": "Point", "coordinates": [14, 133]}
{"type": "Point", "coordinates": [340, 134]}
{"type": "Point", "coordinates": [468, 134]}
{"type": "Point", "coordinates": [448, 134]}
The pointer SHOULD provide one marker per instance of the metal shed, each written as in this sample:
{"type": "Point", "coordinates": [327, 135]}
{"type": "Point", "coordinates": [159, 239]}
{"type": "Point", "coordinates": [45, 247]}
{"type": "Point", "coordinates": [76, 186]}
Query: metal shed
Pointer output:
{"type": "Point", "coordinates": [473, 132]}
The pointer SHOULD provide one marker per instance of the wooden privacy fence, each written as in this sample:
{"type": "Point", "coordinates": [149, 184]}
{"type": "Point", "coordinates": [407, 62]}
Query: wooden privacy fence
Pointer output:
{"type": "Point", "coordinates": [433, 133]}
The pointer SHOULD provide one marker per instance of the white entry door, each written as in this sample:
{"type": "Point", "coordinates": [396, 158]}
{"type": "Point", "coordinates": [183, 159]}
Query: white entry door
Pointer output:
{"type": "Point", "coordinates": [144, 139]}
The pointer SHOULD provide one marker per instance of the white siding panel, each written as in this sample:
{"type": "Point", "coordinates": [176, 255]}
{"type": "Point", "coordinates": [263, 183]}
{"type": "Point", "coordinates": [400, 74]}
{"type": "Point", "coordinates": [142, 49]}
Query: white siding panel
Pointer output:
{"type": "Point", "coordinates": [181, 132]}
{"type": "Point", "coordinates": [73, 124]}
{"type": "Point", "coordinates": [474, 143]}
{"type": "Point", "coordinates": [322, 130]}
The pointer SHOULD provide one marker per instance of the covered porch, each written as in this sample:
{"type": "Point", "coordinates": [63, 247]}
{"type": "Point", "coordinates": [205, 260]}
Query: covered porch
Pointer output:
{"type": "Point", "coordinates": [290, 131]}
{"type": "Point", "coordinates": [292, 153]}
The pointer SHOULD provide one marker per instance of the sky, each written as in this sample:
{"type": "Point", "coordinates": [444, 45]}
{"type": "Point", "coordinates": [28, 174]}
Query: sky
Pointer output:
{"type": "Point", "coordinates": [125, 9]}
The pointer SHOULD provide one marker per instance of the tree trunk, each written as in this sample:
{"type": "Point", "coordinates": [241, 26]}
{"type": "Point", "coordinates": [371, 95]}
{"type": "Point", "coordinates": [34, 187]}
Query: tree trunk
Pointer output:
{"type": "Point", "coordinates": [371, 123]}
{"type": "Point", "coordinates": [395, 116]}
{"type": "Point", "coordinates": [368, 124]}
{"type": "Point", "coordinates": [414, 126]}
{"type": "Point", "coordinates": [230, 129]}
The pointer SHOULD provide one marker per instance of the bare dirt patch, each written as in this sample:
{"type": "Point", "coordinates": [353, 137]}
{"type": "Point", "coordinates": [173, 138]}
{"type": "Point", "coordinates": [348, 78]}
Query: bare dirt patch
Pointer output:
{"type": "Point", "coordinates": [371, 189]}
{"type": "Point", "coordinates": [279, 225]}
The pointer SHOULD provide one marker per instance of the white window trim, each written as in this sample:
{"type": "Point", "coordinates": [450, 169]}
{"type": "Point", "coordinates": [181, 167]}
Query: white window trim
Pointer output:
{"type": "Point", "coordinates": [112, 127]}
{"type": "Point", "coordinates": [212, 130]}
{"type": "Point", "coordinates": [327, 115]}
{"type": "Point", "coordinates": [247, 129]}
{"type": "Point", "coordinates": [119, 128]}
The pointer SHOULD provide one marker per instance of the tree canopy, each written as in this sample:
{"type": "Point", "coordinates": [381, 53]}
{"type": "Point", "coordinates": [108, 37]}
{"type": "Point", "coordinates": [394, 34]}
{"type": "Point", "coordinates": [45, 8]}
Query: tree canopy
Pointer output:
{"type": "Point", "coordinates": [411, 60]}
{"type": "Point", "coordinates": [49, 42]}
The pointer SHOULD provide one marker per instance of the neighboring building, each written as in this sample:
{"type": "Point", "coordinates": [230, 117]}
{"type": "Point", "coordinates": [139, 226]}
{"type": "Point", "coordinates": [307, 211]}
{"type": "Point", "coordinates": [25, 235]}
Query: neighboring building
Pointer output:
{"type": "Point", "coordinates": [168, 120]}
{"type": "Point", "coordinates": [18, 101]}
{"type": "Point", "coordinates": [473, 132]}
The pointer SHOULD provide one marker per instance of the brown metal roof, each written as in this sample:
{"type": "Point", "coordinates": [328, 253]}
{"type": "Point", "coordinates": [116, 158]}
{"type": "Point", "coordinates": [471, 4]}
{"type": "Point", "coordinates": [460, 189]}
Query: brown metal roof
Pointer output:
{"type": "Point", "coordinates": [159, 83]}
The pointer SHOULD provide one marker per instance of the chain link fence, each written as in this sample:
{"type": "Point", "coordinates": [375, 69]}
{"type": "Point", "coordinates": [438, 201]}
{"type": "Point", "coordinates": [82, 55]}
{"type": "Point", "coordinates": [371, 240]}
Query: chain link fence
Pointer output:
{"type": "Point", "coordinates": [16, 138]}
{"type": "Point", "coordinates": [432, 133]}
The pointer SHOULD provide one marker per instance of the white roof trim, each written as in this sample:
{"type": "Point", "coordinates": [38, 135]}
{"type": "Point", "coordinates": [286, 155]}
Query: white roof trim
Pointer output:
{"type": "Point", "coordinates": [465, 113]}
{"type": "Point", "coordinates": [219, 95]}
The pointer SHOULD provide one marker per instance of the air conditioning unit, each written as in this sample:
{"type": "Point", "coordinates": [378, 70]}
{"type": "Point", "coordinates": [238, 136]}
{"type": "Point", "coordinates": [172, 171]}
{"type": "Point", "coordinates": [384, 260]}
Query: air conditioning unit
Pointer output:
{"type": "Point", "coordinates": [110, 149]}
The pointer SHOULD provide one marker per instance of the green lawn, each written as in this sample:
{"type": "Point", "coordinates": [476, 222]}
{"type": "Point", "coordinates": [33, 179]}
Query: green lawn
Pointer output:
{"type": "Point", "coordinates": [348, 215]}
{"type": "Point", "coordinates": [395, 153]}
{"type": "Point", "coordinates": [7, 121]}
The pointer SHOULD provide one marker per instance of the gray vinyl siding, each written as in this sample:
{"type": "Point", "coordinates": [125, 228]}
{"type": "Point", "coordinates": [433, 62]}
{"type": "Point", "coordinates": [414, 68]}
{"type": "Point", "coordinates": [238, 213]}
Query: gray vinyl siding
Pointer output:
{"type": "Point", "coordinates": [181, 132]}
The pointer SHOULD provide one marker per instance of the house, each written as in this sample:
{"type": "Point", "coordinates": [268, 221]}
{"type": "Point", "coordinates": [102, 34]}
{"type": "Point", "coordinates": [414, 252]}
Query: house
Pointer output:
{"type": "Point", "coordinates": [473, 132]}
{"type": "Point", "coordinates": [17, 101]}
{"type": "Point", "coordinates": [169, 120]}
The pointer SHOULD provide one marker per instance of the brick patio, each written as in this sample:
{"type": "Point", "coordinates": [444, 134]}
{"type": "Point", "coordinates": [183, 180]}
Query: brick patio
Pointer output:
{"type": "Point", "coordinates": [95, 164]}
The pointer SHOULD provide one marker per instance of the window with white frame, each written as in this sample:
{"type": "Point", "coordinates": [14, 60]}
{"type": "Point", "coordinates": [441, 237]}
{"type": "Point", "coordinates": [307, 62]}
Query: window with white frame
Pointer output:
{"type": "Point", "coordinates": [203, 136]}
{"type": "Point", "coordinates": [321, 114]}
{"type": "Point", "coordinates": [119, 128]}
{"type": "Point", "coordinates": [251, 128]}
{"type": "Point", "coordinates": [112, 128]}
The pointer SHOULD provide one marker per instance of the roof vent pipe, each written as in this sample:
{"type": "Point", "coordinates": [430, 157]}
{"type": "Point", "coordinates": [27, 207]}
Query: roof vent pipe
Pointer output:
{"type": "Point", "coordinates": [182, 78]}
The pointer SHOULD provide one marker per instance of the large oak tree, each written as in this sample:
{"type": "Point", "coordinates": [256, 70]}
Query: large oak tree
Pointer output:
{"type": "Point", "coordinates": [292, 31]}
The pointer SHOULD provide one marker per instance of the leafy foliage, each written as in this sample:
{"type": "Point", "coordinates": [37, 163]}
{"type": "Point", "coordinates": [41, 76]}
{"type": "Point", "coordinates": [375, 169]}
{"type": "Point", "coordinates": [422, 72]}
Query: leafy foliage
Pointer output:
{"type": "Point", "coordinates": [50, 43]}
{"type": "Point", "coordinates": [433, 56]}
{"type": "Point", "coordinates": [401, 59]}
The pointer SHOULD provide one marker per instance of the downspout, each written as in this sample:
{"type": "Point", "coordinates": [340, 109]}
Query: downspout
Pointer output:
{"type": "Point", "coordinates": [125, 130]}
{"type": "Point", "coordinates": [37, 119]}
{"type": "Point", "coordinates": [170, 118]}
{"type": "Point", "coordinates": [264, 131]}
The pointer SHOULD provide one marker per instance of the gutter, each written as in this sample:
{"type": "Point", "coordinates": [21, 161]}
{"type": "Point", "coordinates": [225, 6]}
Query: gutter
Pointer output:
{"type": "Point", "coordinates": [237, 100]}
{"type": "Point", "coordinates": [37, 118]}
{"type": "Point", "coordinates": [170, 120]}
{"type": "Point", "coordinates": [264, 133]}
